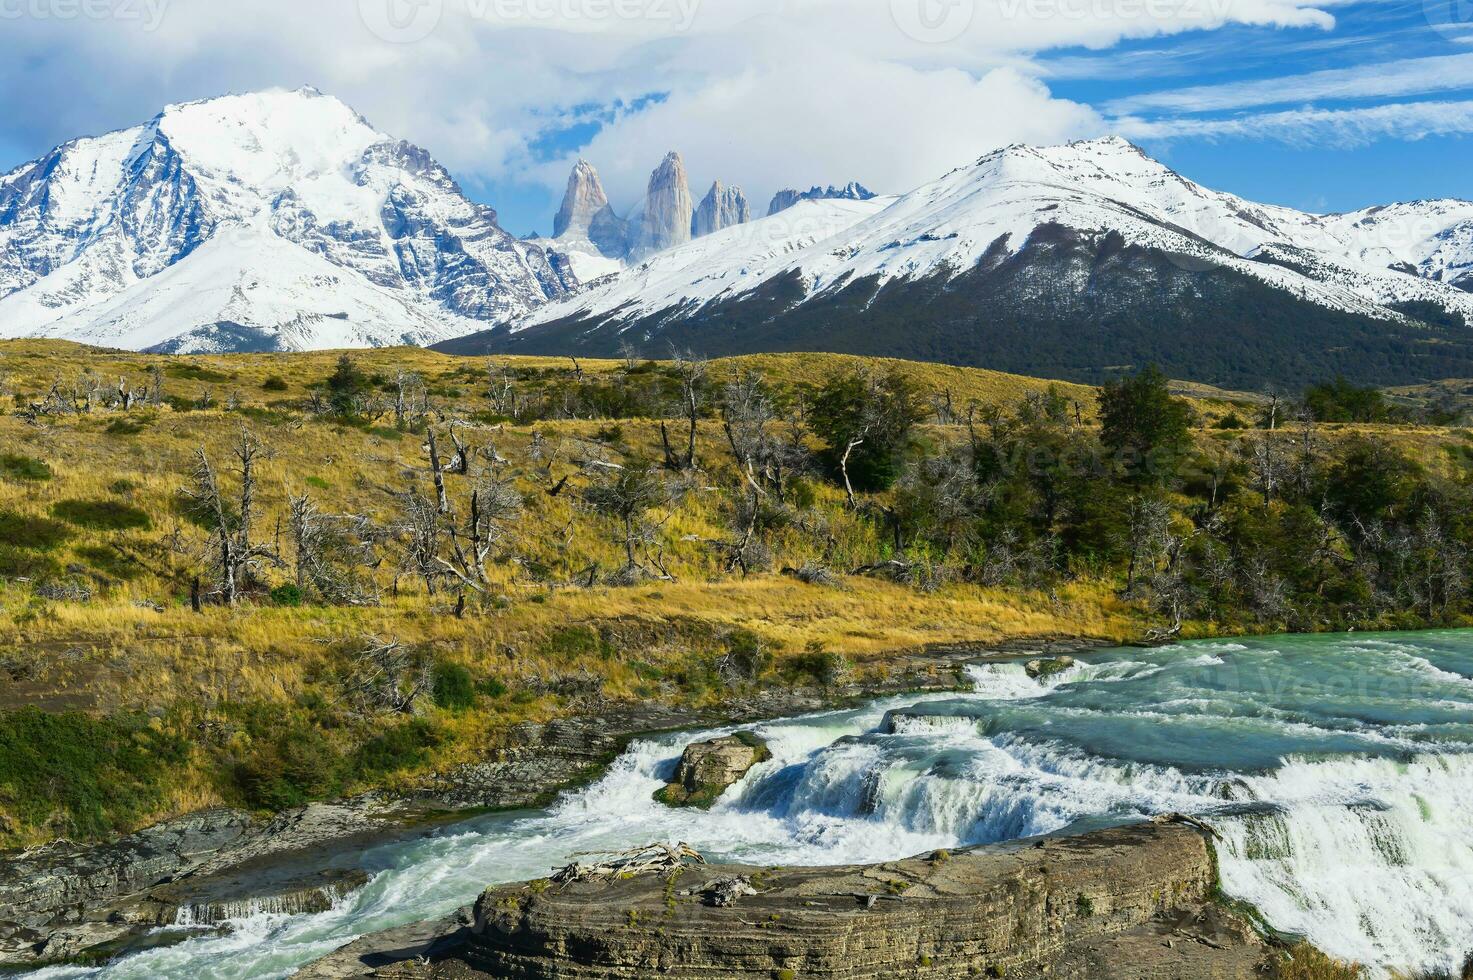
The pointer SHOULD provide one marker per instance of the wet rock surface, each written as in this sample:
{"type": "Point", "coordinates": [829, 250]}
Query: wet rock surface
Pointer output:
{"type": "Point", "coordinates": [1125, 902]}
{"type": "Point", "coordinates": [1047, 666]}
{"type": "Point", "coordinates": [65, 900]}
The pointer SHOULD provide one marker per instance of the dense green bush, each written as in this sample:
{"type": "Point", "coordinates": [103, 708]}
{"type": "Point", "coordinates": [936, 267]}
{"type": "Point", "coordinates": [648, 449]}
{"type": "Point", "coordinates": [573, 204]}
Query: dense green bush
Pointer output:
{"type": "Point", "coordinates": [571, 642]}
{"type": "Point", "coordinates": [20, 563]}
{"type": "Point", "coordinates": [869, 418]}
{"type": "Point", "coordinates": [274, 383]}
{"type": "Point", "coordinates": [1341, 401]}
{"type": "Point", "coordinates": [453, 688]}
{"type": "Point", "coordinates": [84, 776]}
{"type": "Point", "coordinates": [124, 427]}
{"type": "Point", "coordinates": [287, 595]}
{"type": "Point", "coordinates": [194, 372]}
{"type": "Point", "coordinates": [404, 746]}
{"type": "Point", "coordinates": [110, 562]}
{"type": "Point", "coordinates": [102, 515]}
{"type": "Point", "coordinates": [297, 766]}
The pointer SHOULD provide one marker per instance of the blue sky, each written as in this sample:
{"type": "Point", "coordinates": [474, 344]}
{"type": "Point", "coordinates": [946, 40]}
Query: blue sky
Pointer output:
{"type": "Point", "coordinates": [1321, 106]}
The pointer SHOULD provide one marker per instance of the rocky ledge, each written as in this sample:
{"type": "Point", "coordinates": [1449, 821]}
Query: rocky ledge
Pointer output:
{"type": "Point", "coordinates": [1130, 902]}
{"type": "Point", "coordinates": [67, 901]}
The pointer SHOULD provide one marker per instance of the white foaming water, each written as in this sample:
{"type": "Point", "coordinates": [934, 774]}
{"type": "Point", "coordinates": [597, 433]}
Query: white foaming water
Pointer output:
{"type": "Point", "coordinates": [1338, 769]}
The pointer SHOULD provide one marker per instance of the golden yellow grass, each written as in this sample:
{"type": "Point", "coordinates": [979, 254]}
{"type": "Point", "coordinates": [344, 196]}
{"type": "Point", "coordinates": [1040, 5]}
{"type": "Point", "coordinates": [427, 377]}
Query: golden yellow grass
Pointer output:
{"type": "Point", "coordinates": [119, 651]}
{"type": "Point", "coordinates": [125, 654]}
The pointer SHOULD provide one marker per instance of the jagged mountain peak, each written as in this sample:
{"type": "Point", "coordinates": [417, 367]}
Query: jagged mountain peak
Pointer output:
{"type": "Point", "coordinates": [852, 191]}
{"type": "Point", "coordinates": [668, 209]}
{"type": "Point", "coordinates": [395, 251]}
{"type": "Point", "coordinates": [722, 207]}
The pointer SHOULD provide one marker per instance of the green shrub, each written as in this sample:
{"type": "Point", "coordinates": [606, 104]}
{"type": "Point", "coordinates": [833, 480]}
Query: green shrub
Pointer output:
{"type": "Point", "coordinates": [286, 595]}
{"type": "Point", "coordinates": [14, 466]}
{"type": "Point", "coordinates": [571, 642]}
{"type": "Point", "coordinates": [491, 687]}
{"type": "Point", "coordinates": [296, 767]}
{"type": "Point", "coordinates": [822, 666]}
{"type": "Point", "coordinates": [193, 372]}
{"type": "Point", "coordinates": [274, 383]}
{"type": "Point", "coordinates": [747, 657]}
{"type": "Point", "coordinates": [1304, 962]}
{"type": "Point", "coordinates": [101, 515]}
{"type": "Point", "coordinates": [1230, 421]}
{"type": "Point", "coordinates": [32, 533]}
{"type": "Point", "coordinates": [266, 416]}
{"type": "Point", "coordinates": [85, 777]}
{"type": "Point", "coordinates": [453, 688]}
{"type": "Point", "coordinates": [402, 747]}
{"type": "Point", "coordinates": [317, 482]}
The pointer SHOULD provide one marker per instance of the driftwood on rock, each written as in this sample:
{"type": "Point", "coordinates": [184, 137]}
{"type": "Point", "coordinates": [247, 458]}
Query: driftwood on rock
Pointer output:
{"type": "Point", "coordinates": [650, 859]}
{"type": "Point", "coordinates": [1190, 821]}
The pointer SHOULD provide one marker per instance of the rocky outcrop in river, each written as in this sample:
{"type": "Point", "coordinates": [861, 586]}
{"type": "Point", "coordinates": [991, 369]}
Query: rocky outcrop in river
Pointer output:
{"type": "Point", "coordinates": [1126, 902]}
{"type": "Point", "coordinates": [707, 769]}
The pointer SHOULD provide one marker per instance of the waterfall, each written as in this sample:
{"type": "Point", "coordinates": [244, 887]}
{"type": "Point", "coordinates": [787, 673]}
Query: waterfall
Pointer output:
{"type": "Point", "coordinates": [1338, 769]}
{"type": "Point", "coordinates": [1371, 859]}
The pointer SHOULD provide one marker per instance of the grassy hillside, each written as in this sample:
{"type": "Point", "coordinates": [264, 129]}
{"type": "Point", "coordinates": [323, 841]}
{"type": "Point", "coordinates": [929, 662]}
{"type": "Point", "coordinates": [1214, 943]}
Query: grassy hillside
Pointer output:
{"type": "Point", "coordinates": [131, 688]}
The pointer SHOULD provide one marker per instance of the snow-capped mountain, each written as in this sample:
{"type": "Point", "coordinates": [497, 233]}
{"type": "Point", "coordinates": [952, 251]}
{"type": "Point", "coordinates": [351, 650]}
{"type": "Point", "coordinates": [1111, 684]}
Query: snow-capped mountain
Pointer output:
{"type": "Point", "coordinates": [1065, 259]}
{"type": "Point", "coordinates": [274, 220]}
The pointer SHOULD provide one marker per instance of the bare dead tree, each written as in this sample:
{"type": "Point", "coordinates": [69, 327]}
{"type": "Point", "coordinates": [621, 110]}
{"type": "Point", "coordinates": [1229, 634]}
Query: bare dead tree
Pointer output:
{"type": "Point", "coordinates": [331, 553]}
{"type": "Point", "coordinates": [155, 385]}
{"type": "Point", "coordinates": [421, 530]}
{"type": "Point", "coordinates": [88, 391]}
{"type": "Point", "coordinates": [626, 495]}
{"type": "Point", "coordinates": [235, 553]}
{"type": "Point", "coordinates": [386, 676]}
{"type": "Point", "coordinates": [437, 472]}
{"type": "Point", "coordinates": [503, 392]}
{"type": "Point", "coordinates": [494, 506]}
{"type": "Point", "coordinates": [1148, 536]}
{"type": "Point", "coordinates": [410, 397]}
{"type": "Point", "coordinates": [1267, 464]}
{"type": "Point", "coordinates": [691, 372]}
{"type": "Point", "coordinates": [629, 355]}
{"type": "Point", "coordinates": [461, 461]}
{"type": "Point", "coordinates": [126, 396]}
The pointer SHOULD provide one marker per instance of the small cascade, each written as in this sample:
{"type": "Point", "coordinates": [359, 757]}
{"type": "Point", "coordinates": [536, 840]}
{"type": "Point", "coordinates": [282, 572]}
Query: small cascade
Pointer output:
{"type": "Point", "coordinates": [304, 901]}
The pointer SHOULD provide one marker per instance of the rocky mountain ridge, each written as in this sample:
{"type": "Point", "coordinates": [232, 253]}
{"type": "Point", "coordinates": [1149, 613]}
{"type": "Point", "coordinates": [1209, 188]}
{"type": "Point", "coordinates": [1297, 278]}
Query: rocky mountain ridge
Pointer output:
{"type": "Point", "coordinates": [1063, 261]}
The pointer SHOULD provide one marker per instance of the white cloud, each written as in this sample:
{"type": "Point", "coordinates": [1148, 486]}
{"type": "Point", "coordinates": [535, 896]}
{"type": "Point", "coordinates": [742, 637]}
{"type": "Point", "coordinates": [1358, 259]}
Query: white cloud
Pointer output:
{"type": "Point", "coordinates": [1408, 76]}
{"type": "Point", "coordinates": [760, 92]}
{"type": "Point", "coordinates": [889, 126]}
{"type": "Point", "coordinates": [1314, 126]}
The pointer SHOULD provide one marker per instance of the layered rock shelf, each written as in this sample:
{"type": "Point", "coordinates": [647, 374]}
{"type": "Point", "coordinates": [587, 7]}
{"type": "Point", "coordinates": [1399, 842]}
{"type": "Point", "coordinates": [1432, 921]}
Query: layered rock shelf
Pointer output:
{"type": "Point", "coordinates": [1126, 902]}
